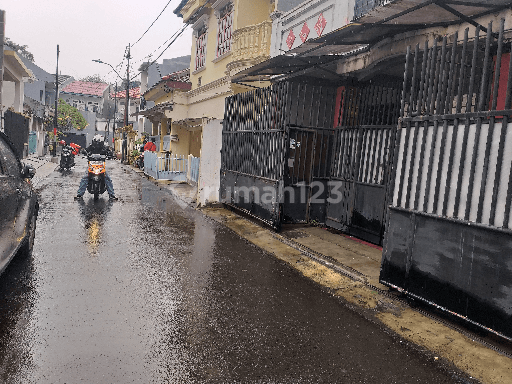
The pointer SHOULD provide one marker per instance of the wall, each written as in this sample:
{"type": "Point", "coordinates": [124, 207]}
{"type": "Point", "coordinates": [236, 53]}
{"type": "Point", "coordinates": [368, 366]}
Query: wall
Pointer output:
{"type": "Point", "coordinates": [209, 168]}
{"type": "Point", "coordinates": [336, 14]}
{"type": "Point", "coordinates": [252, 12]}
{"type": "Point", "coordinates": [168, 66]}
{"type": "Point", "coordinates": [181, 147]}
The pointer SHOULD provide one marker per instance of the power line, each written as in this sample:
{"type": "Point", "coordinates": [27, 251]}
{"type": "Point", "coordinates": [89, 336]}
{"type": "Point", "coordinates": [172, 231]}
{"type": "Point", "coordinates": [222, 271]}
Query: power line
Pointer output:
{"type": "Point", "coordinates": [161, 53]}
{"type": "Point", "coordinates": [161, 45]}
{"type": "Point", "coordinates": [152, 23]}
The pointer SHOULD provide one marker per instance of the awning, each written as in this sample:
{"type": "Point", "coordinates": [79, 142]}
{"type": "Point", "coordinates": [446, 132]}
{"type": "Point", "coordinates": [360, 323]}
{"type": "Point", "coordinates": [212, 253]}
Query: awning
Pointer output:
{"type": "Point", "coordinates": [156, 111]}
{"type": "Point", "coordinates": [382, 21]}
{"type": "Point", "coordinates": [282, 65]}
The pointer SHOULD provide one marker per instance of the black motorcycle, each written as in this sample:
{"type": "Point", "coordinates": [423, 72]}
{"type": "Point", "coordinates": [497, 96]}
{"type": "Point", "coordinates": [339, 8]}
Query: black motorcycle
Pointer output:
{"type": "Point", "coordinates": [96, 170]}
{"type": "Point", "coordinates": [67, 159]}
{"type": "Point", "coordinates": [139, 162]}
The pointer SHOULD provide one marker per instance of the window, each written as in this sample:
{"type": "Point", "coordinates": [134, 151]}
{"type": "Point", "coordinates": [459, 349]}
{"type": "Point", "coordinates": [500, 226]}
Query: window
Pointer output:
{"type": "Point", "coordinates": [201, 49]}
{"type": "Point", "coordinates": [41, 95]}
{"type": "Point", "coordinates": [225, 31]}
{"type": "Point", "coordinates": [200, 28]}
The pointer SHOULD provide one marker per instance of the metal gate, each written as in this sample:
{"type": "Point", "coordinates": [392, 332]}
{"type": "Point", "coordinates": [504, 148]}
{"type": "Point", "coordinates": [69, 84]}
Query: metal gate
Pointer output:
{"type": "Point", "coordinates": [448, 239]}
{"type": "Point", "coordinates": [276, 151]}
{"type": "Point", "coordinates": [16, 129]}
{"type": "Point", "coordinates": [359, 175]}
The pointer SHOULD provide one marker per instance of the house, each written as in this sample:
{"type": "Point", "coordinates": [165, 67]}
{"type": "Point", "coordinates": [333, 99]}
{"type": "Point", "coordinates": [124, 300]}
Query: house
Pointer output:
{"type": "Point", "coordinates": [152, 73]}
{"type": "Point", "coordinates": [393, 128]}
{"type": "Point", "coordinates": [228, 37]}
{"type": "Point", "coordinates": [94, 103]}
{"type": "Point", "coordinates": [38, 103]}
{"type": "Point", "coordinates": [169, 98]}
{"type": "Point", "coordinates": [14, 75]}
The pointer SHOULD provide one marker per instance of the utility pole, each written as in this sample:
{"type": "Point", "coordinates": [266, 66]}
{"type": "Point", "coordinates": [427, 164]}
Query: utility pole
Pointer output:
{"type": "Point", "coordinates": [115, 115]}
{"type": "Point", "coordinates": [55, 121]}
{"type": "Point", "coordinates": [127, 101]}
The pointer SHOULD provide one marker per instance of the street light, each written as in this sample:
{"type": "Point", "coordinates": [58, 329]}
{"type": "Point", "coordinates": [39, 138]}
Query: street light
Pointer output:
{"type": "Point", "coordinates": [102, 62]}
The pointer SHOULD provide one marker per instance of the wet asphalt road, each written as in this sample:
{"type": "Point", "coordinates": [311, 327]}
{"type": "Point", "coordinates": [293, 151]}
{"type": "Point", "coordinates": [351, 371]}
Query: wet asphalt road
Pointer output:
{"type": "Point", "coordinates": [142, 290]}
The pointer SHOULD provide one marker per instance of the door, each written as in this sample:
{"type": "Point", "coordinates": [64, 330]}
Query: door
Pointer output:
{"type": "Point", "coordinates": [357, 189]}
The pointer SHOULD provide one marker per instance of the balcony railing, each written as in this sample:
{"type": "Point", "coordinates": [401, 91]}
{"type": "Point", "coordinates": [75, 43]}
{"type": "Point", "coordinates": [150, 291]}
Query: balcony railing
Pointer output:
{"type": "Point", "coordinates": [252, 41]}
{"type": "Point", "coordinates": [362, 7]}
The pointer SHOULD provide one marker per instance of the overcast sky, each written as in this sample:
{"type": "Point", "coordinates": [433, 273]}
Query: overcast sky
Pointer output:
{"type": "Point", "coordinates": [94, 29]}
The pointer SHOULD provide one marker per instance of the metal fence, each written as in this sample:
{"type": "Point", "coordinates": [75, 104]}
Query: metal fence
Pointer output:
{"type": "Point", "coordinates": [193, 169]}
{"type": "Point", "coordinates": [165, 167]}
{"type": "Point", "coordinates": [447, 239]}
{"type": "Point", "coordinates": [451, 158]}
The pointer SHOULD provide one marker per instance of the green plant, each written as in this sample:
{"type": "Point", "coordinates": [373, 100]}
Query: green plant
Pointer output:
{"type": "Point", "coordinates": [68, 117]}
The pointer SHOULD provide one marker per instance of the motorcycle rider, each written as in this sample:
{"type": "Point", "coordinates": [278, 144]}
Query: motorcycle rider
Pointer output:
{"type": "Point", "coordinates": [71, 150]}
{"type": "Point", "coordinates": [97, 146]}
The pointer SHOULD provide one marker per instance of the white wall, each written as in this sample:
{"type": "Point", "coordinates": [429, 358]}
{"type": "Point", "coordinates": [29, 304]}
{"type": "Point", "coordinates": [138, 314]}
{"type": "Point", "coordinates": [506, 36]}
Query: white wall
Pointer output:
{"type": "Point", "coordinates": [337, 13]}
{"type": "Point", "coordinates": [209, 168]}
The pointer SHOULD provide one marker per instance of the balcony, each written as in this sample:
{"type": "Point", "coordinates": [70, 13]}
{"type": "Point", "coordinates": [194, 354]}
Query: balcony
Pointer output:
{"type": "Point", "coordinates": [252, 42]}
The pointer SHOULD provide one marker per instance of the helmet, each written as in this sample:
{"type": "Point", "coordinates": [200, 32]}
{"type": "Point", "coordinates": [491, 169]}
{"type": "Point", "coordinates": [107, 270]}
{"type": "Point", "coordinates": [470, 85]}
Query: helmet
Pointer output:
{"type": "Point", "coordinates": [62, 142]}
{"type": "Point", "coordinates": [98, 138]}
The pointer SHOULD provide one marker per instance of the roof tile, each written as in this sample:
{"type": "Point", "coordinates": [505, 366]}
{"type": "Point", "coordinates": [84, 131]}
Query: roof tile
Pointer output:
{"type": "Point", "coordinates": [85, 88]}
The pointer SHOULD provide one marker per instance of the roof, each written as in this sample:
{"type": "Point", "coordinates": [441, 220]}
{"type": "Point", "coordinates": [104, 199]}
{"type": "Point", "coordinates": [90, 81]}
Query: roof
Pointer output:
{"type": "Point", "coordinates": [85, 88]}
{"type": "Point", "coordinates": [175, 80]}
{"type": "Point", "coordinates": [394, 17]}
{"type": "Point", "coordinates": [134, 94]}
{"type": "Point", "coordinates": [183, 76]}
{"type": "Point", "coordinates": [158, 109]}
{"type": "Point", "coordinates": [13, 59]}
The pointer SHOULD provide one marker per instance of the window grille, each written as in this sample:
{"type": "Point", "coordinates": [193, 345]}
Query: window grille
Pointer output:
{"type": "Point", "coordinates": [201, 49]}
{"type": "Point", "coordinates": [225, 31]}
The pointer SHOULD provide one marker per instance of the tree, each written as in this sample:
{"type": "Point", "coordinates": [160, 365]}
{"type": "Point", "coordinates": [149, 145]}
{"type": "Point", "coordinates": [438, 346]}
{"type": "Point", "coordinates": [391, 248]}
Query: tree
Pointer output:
{"type": "Point", "coordinates": [68, 118]}
{"type": "Point", "coordinates": [133, 84]}
{"type": "Point", "coordinates": [21, 49]}
{"type": "Point", "coordinates": [93, 79]}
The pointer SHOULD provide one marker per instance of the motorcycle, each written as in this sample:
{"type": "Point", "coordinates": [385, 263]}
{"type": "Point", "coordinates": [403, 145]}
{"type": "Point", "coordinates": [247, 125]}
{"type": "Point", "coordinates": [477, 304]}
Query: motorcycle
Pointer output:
{"type": "Point", "coordinates": [96, 173]}
{"type": "Point", "coordinates": [110, 153]}
{"type": "Point", "coordinates": [67, 159]}
{"type": "Point", "coordinates": [139, 161]}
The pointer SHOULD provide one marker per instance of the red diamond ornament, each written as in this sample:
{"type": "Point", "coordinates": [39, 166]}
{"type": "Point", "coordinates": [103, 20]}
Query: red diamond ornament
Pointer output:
{"type": "Point", "coordinates": [304, 32]}
{"type": "Point", "coordinates": [290, 39]}
{"type": "Point", "coordinates": [320, 24]}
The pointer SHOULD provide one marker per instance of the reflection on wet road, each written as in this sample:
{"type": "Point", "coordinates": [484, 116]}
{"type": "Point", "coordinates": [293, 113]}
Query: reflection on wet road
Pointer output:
{"type": "Point", "coordinates": [142, 290]}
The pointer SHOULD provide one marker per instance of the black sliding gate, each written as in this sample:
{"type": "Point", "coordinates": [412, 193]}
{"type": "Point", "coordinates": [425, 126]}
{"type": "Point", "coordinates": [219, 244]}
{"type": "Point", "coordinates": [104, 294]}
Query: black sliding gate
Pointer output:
{"type": "Point", "coordinates": [16, 129]}
{"type": "Point", "coordinates": [448, 239]}
{"type": "Point", "coordinates": [295, 152]}
{"type": "Point", "coordinates": [361, 159]}
{"type": "Point", "coordinates": [276, 146]}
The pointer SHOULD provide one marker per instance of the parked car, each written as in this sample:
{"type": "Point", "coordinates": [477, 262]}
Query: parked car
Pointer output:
{"type": "Point", "coordinates": [18, 205]}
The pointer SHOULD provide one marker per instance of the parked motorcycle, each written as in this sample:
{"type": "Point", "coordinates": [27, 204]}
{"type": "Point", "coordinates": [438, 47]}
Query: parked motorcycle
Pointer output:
{"type": "Point", "coordinates": [110, 153]}
{"type": "Point", "coordinates": [139, 161]}
{"type": "Point", "coordinates": [96, 169]}
{"type": "Point", "coordinates": [67, 159]}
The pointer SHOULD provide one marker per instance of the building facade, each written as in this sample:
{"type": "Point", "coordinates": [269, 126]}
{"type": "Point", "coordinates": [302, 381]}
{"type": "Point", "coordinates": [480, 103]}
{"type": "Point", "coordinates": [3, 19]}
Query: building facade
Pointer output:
{"type": "Point", "coordinates": [228, 36]}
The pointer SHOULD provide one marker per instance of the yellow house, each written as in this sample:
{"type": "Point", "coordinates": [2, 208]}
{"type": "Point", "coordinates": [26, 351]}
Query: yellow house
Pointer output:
{"type": "Point", "coordinates": [228, 37]}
